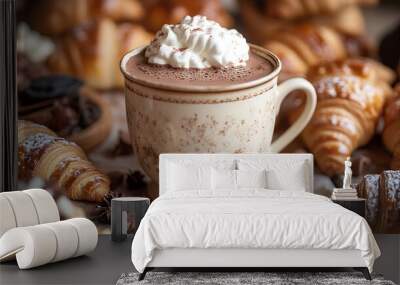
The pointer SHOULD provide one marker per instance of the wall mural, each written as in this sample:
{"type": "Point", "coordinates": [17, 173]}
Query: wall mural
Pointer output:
{"type": "Point", "coordinates": [76, 141]}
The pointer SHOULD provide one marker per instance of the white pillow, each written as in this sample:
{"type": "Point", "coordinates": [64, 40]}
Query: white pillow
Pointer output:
{"type": "Point", "coordinates": [184, 177]}
{"type": "Point", "coordinates": [251, 178]}
{"type": "Point", "coordinates": [280, 180]}
{"type": "Point", "coordinates": [282, 174]}
{"type": "Point", "coordinates": [224, 179]}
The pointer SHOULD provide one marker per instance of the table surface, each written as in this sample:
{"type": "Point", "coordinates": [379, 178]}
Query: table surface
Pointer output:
{"type": "Point", "coordinates": [102, 266]}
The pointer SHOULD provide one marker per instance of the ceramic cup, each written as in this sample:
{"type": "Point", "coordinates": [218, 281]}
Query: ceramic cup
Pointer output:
{"type": "Point", "coordinates": [238, 118]}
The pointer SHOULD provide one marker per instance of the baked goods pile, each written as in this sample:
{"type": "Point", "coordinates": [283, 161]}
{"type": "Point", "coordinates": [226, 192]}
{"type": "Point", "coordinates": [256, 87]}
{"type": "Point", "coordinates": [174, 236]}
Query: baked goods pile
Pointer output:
{"type": "Point", "coordinates": [358, 109]}
{"type": "Point", "coordinates": [327, 43]}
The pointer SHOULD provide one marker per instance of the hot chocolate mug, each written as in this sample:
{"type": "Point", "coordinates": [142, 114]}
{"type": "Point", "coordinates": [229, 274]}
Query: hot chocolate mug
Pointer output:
{"type": "Point", "coordinates": [237, 118]}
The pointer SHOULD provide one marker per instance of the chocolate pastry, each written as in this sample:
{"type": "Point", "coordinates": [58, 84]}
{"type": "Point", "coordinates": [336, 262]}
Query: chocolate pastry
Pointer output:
{"type": "Point", "coordinates": [369, 189]}
{"type": "Point", "coordinates": [41, 153]}
{"type": "Point", "coordinates": [67, 107]}
{"type": "Point", "coordinates": [389, 218]}
{"type": "Point", "coordinates": [383, 200]}
{"type": "Point", "coordinates": [51, 101]}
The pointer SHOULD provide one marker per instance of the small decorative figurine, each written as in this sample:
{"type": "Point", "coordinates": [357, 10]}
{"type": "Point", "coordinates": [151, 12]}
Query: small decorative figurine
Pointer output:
{"type": "Point", "coordinates": [346, 192]}
{"type": "Point", "coordinates": [347, 174]}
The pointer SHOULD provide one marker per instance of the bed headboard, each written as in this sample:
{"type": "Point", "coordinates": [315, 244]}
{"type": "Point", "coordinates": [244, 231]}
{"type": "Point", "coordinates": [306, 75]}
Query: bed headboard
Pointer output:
{"type": "Point", "coordinates": [215, 159]}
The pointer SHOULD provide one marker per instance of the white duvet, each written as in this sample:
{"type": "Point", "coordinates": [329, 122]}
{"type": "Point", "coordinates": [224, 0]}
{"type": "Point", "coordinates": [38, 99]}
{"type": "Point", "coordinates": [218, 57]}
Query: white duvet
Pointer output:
{"type": "Point", "coordinates": [250, 219]}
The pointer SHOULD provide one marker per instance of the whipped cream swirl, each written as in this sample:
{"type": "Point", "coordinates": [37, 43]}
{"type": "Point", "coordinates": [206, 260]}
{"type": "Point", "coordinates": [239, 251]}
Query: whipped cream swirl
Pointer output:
{"type": "Point", "coordinates": [198, 43]}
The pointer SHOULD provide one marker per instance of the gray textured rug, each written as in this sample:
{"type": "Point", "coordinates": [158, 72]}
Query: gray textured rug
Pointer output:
{"type": "Point", "coordinates": [270, 278]}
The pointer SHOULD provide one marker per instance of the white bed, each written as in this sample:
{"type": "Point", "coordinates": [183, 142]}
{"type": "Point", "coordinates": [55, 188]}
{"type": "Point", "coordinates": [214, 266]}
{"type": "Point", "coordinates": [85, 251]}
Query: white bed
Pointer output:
{"type": "Point", "coordinates": [196, 224]}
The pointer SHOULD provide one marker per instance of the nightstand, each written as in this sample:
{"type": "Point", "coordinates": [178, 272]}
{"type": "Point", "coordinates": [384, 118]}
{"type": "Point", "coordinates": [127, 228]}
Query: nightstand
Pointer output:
{"type": "Point", "coordinates": [356, 205]}
{"type": "Point", "coordinates": [124, 209]}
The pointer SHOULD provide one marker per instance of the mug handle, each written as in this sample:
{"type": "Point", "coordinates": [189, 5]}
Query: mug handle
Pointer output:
{"type": "Point", "coordinates": [283, 90]}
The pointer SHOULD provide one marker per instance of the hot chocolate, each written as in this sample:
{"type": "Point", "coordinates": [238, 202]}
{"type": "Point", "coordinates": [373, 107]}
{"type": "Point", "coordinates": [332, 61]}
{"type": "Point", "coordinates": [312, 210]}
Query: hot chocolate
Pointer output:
{"type": "Point", "coordinates": [201, 88]}
{"type": "Point", "coordinates": [198, 52]}
{"type": "Point", "coordinates": [256, 67]}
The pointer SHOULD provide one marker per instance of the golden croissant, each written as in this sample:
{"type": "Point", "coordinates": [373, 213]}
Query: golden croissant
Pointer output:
{"type": "Point", "coordinates": [306, 45]}
{"type": "Point", "coordinates": [391, 132]}
{"type": "Point", "coordinates": [92, 52]}
{"type": "Point", "coordinates": [41, 153]}
{"type": "Point", "coordinates": [259, 26]}
{"type": "Point", "coordinates": [303, 46]}
{"type": "Point", "coordinates": [291, 9]}
{"type": "Point", "coordinates": [351, 97]}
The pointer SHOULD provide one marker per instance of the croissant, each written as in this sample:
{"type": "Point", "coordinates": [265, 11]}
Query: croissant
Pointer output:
{"type": "Point", "coordinates": [391, 131]}
{"type": "Point", "coordinates": [160, 12]}
{"type": "Point", "coordinates": [290, 9]}
{"type": "Point", "coordinates": [306, 45]}
{"type": "Point", "coordinates": [348, 21]}
{"type": "Point", "coordinates": [62, 16]}
{"type": "Point", "coordinates": [351, 97]}
{"type": "Point", "coordinates": [92, 52]}
{"type": "Point", "coordinates": [41, 153]}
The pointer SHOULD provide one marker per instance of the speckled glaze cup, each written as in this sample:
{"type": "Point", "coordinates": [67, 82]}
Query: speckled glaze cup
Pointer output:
{"type": "Point", "coordinates": [237, 118]}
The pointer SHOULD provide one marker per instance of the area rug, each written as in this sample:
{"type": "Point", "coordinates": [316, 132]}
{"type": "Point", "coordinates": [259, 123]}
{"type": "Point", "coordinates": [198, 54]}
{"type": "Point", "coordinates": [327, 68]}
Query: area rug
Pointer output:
{"type": "Point", "coordinates": [268, 278]}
